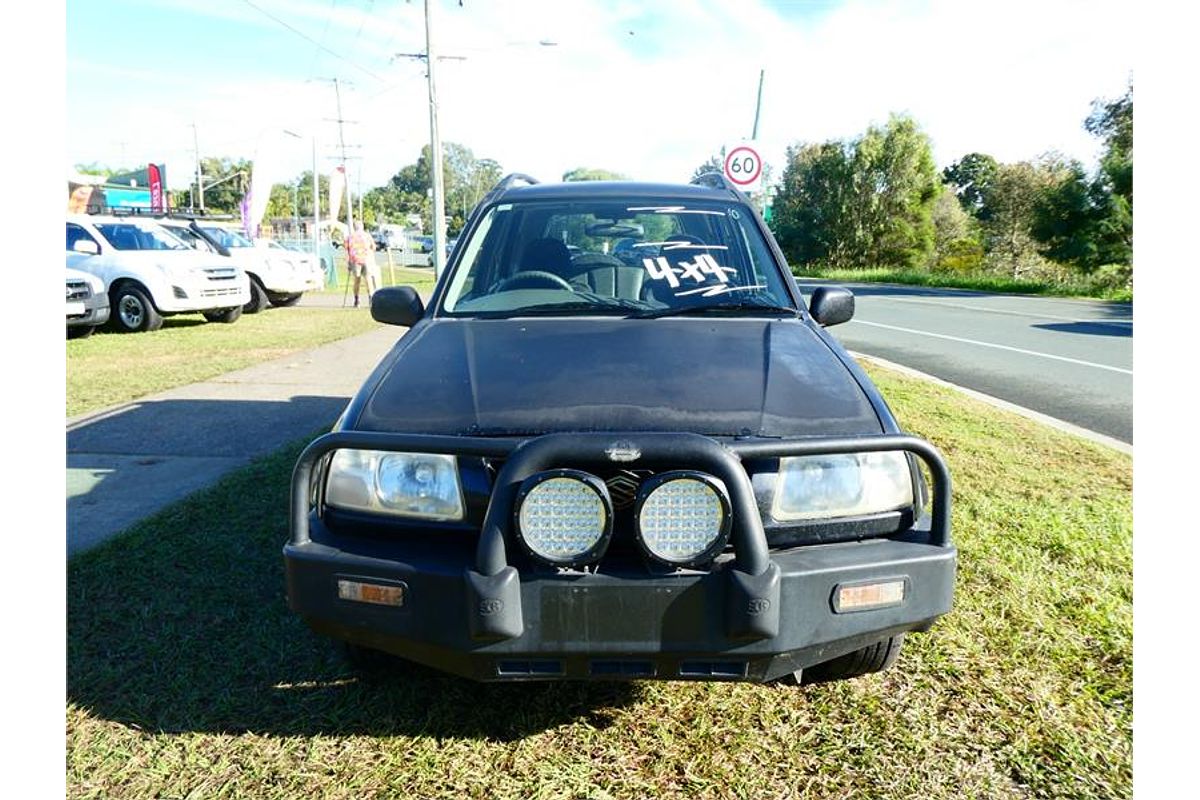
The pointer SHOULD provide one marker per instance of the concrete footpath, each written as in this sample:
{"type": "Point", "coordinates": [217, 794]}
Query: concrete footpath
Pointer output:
{"type": "Point", "coordinates": [128, 462]}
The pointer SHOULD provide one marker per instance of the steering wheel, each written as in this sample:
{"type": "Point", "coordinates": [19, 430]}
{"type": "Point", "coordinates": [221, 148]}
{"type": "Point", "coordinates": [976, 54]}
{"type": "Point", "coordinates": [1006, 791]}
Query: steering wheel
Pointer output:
{"type": "Point", "coordinates": [531, 279]}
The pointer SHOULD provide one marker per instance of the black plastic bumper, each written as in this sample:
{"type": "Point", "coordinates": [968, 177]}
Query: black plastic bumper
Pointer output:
{"type": "Point", "coordinates": [756, 615]}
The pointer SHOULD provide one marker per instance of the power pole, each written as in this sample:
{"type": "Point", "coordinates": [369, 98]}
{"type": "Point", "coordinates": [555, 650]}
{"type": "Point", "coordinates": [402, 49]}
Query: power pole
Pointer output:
{"type": "Point", "coordinates": [435, 151]}
{"type": "Point", "coordinates": [337, 82]}
{"type": "Point", "coordinates": [199, 174]}
{"type": "Point", "coordinates": [435, 142]}
{"type": "Point", "coordinates": [758, 105]}
{"type": "Point", "coordinates": [342, 141]}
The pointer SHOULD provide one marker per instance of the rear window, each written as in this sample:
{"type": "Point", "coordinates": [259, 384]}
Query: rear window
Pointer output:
{"type": "Point", "coordinates": [602, 256]}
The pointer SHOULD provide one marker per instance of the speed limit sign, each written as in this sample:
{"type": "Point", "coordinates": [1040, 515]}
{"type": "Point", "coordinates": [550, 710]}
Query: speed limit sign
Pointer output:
{"type": "Point", "coordinates": [743, 167]}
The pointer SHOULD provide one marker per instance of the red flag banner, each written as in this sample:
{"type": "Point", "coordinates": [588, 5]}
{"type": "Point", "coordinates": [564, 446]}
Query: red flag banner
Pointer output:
{"type": "Point", "coordinates": [157, 199]}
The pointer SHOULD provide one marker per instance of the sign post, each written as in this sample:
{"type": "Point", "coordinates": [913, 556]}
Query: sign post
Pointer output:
{"type": "Point", "coordinates": [743, 167]}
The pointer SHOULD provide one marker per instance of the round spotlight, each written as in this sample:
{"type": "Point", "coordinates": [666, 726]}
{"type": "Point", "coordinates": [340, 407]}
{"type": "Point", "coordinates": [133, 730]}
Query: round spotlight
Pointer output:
{"type": "Point", "coordinates": [682, 518]}
{"type": "Point", "coordinates": [564, 517]}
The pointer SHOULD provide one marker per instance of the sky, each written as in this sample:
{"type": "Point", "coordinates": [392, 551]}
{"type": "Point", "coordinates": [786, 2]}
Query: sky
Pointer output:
{"type": "Point", "coordinates": [647, 89]}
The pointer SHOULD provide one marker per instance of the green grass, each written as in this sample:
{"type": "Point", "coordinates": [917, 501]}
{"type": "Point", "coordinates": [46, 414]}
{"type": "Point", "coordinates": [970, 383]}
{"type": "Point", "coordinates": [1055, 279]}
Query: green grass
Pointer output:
{"type": "Point", "coordinates": [419, 279]}
{"type": "Point", "coordinates": [189, 677]}
{"type": "Point", "coordinates": [110, 368]}
{"type": "Point", "coordinates": [983, 283]}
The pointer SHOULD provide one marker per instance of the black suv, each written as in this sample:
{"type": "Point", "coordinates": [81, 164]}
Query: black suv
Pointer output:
{"type": "Point", "coordinates": [576, 465]}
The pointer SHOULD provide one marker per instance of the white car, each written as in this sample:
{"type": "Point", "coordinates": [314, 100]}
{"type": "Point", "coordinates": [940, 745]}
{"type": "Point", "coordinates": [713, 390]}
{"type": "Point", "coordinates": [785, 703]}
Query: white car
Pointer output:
{"type": "Point", "coordinates": [149, 274]}
{"type": "Point", "coordinates": [277, 276]}
{"type": "Point", "coordinates": [87, 304]}
{"type": "Point", "coordinates": [307, 262]}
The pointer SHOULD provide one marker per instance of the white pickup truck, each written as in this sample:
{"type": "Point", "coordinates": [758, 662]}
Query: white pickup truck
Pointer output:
{"type": "Point", "coordinates": [278, 276]}
{"type": "Point", "coordinates": [149, 274]}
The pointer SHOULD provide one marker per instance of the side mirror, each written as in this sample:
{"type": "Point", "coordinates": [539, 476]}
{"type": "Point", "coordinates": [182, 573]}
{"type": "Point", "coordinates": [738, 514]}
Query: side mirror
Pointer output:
{"type": "Point", "coordinates": [86, 246]}
{"type": "Point", "coordinates": [397, 305]}
{"type": "Point", "coordinates": [831, 305]}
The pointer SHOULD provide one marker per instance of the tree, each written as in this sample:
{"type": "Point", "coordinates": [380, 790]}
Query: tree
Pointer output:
{"type": "Point", "coordinates": [1112, 121]}
{"type": "Point", "coordinates": [1088, 222]}
{"type": "Point", "coordinates": [813, 217]}
{"type": "Point", "coordinates": [466, 180]}
{"type": "Point", "coordinates": [591, 174]}
{"type": "Point", "coordinates": [970, 177]}
{"type": "Point", "coordinates": [282, 203]}
{"type": "Point", "coordinates": [225, 182]}
{"type": "Point", "coordinates": [714, 164]}
{"type": "Point", "coordinates": [1112, 190]}
{"type": "Point", "coordinates": [1010, 203]}
{"type": "Point", "coordinates": [863, 202]}
{"type": "Point", "coordinates": [956, 245]}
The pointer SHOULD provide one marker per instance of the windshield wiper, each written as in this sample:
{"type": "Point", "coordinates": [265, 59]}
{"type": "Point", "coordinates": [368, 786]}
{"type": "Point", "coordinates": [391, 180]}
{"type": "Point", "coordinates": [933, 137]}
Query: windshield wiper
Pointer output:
{"type": "Point", "coordinates": [736, 307]}
{"type": "Point", "coordinates": [570, 305]}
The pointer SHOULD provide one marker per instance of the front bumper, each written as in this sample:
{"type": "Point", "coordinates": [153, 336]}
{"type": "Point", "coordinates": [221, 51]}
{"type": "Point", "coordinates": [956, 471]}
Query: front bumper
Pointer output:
{"type": "Point", "coordinates": [200, 294]}
{"type": "Point", "coordinates": [279, 280]}
{"type": "Point", "coordinates": [755, 615]}
{"type": "Point", "coordinates": [89, 312]}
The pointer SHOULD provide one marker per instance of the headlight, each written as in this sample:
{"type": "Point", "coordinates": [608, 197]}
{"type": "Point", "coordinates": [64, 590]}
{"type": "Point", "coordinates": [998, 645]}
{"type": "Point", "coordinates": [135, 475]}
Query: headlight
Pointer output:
{"type": "Point", "coordinates": [682, 518]}
{"type": "Point", "coordinates": [564, 517]}
{"type": "Point", "coordinates": [819, 487]}
{"type": "Point", "coordinates": [421, 485]}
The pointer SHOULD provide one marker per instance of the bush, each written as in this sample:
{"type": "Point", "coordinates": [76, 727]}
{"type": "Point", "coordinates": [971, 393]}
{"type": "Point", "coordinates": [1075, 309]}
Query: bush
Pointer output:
{"type": "Point", "coordinates": [962, 256]}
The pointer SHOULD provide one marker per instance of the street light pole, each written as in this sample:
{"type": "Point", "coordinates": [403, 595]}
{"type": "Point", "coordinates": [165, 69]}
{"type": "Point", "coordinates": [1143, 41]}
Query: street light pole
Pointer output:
{"type": "Point", "coordinates": [316, 237]}
{"type": "Point", "coordinates": [316, 232]}
{"type": "Point", "coordinates": [435, 151]}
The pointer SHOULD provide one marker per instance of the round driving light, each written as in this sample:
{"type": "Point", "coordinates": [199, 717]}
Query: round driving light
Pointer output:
{"type": "Point", "coordinates": [682, 518]}
{"type": "Point", "coordinates": [564, 517]}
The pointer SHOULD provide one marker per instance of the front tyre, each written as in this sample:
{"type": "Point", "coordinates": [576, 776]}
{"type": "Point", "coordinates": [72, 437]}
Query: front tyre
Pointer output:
{"type": "Point", "coordinates": [225, 315]}
{"type": "Point", "coordinates": [132, 311]}
{"type": "Point", "coordinates": [872, 658]}
{"type": "Point", "coordinates": [258, 298]}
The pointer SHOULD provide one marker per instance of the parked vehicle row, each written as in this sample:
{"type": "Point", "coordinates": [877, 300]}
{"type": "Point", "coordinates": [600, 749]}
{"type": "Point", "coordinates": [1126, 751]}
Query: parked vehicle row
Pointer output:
{"type": "Point", "coordinates": [278, 276]}
{"type": "Point", "coordinates": [145, 269]}
{"type": "Point", "coordinates": [150, 274]}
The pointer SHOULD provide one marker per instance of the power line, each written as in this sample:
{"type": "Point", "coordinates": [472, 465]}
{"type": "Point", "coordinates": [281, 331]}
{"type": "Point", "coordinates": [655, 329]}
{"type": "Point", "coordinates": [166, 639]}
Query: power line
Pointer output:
{"type": "Point", "coordinates": [308, 38]}
{"type": "Point", "coordinates": [312, 64]}
{"type": "Point", "coordinates": [358, 33]}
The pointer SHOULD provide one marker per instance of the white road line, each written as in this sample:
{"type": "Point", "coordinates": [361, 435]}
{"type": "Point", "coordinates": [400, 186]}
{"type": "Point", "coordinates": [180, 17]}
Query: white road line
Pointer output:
{"type": "Point", "coordinates": [1029, 413]}
{"type": "Point", "coordinates": [997, 346]}
{"type": "Point", "coordinates": [1009, 312]}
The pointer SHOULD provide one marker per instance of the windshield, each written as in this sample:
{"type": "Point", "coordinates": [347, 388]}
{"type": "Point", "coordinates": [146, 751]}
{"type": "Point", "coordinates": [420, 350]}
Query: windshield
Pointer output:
{"type": "Point", "coordinates": [226, 237]}
{"type": "Point", "coordinates": [643, 258]}
{"type": "Point", "coordinates": [190, 238]}
{"type": "Point", "coordinates": [127, 236]}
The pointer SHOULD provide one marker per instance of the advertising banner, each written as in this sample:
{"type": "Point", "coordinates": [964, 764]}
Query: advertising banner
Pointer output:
{"type": "Point", "coordinates": [157, 197]}
{"type": "Point", "coordinates": [337, 187]}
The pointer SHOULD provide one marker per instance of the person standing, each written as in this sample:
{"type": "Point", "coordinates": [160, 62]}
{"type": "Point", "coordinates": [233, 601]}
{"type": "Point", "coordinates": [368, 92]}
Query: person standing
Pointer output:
{"type": "Point", "coordinates": [359, 248]}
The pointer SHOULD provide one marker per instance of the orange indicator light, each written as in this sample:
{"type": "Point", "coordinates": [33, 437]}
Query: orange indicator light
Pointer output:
{"type": "Point", "coordinates": [371, 593]}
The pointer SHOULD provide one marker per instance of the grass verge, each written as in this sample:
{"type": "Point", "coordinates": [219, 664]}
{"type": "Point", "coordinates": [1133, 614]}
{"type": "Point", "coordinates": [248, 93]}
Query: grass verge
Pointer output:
{"type": "Point", "coordinates": [188, 676]}
{"type": "Point", "coordinates": [983, 283]}
{"type": "Point", "coordinates": [420, 279]}
{"type": "Point", "coordinates": [110, 368]}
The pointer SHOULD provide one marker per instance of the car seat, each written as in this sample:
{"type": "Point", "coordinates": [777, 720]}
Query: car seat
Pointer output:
{"type": "Point", "coordinates": [546, 255]}
{"type": "Point", "coordinates": [607, 276]}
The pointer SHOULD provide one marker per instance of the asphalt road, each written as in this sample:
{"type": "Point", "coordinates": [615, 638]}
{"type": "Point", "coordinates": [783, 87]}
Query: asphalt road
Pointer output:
{"type": "Point", "coordinates": [1068, 359]}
